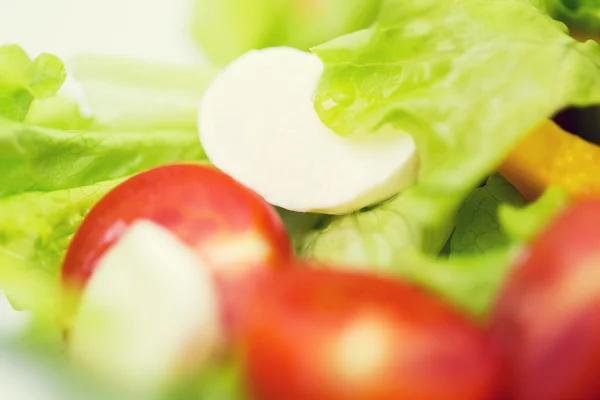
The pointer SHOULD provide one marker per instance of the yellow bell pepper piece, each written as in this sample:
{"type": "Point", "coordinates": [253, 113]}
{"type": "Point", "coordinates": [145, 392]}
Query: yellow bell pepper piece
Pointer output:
{"type": "Point", "coordinates": [550, 156]}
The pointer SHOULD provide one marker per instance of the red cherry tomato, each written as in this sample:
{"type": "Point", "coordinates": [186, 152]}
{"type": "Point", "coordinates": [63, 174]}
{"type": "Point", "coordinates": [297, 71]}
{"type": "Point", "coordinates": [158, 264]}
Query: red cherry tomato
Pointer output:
{"type": "Point", "coordinates": [317, 334]}
{"type": "Point", "coordinates": [547, 320]}
{"type": "Point", "coordinates": [233, 230]}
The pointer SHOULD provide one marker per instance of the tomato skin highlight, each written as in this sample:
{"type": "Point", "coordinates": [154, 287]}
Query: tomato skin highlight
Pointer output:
{"type": "Point", "coordinates": [235, 232]}
{"type": "Point", "coordinates": [325, 335]}
{"type": "Point", "coordinates": [547, 319]}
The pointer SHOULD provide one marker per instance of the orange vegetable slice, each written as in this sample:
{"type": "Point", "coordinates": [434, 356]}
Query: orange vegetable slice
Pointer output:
{"type": "Point", "coordinates": [551, 156]}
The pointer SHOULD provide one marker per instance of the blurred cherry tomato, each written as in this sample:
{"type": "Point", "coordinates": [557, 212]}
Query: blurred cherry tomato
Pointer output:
{"type": "Point", "coordinates": [547, 320]}
{"type": "Point", "coordinates": [315, 334]}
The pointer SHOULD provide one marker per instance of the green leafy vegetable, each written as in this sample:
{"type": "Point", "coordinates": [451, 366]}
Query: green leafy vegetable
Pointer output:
{"type": "Point", "coordinates": [469, 281]}
{"type": "Point", "coordinates": [477, 227]}
{"type": "Point", "coordinates": [300, 225]}
{"type": "Point", "coordinates": [467, 85]}
{"type": "Point", "coordinates": [228, 28]}
{"type": "Point", "coordinates": [524, 223]}
{"type": "Point", "coordinates": [58, 112]}
{"type": "Point", "coordinates": [42, 159]}
{"type": "Point", "coordinates": [580, 14]}
{"type": "Point", "coordinates": [132, 95]}
{"type": "Point", "coordinates": [432, 79]}
{"type": "Point", "coordinates": [223, 379]}
{"type": "Point", "coordinates": [225, 29]}
{"type": "Point", "coordinates": [381, 237]}
{"type": "Point", "coordinates": [23, 80]}
{"type": "Point", "coordinates": [35, 231]}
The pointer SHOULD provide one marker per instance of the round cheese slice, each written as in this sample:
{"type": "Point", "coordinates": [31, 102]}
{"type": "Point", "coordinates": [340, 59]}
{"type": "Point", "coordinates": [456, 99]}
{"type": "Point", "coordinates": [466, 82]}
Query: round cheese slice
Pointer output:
{"type": "Point", "coordinates": [258, 124]}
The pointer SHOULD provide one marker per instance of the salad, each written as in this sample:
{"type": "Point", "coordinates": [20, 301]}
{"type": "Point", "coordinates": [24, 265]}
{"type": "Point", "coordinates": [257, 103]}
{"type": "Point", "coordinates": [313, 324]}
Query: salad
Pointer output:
{"type": "Point", "coordinates": [319, 200]}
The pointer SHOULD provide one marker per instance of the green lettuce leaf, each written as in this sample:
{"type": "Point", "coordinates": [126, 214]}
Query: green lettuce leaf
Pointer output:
{"type": "Point", "coordinates": [225, 29]}
{"type": "Point", "coordinates": [470, 282]}
{"type": "Point", "coordinates": [300, 225]}
{"type": "Point", "coordinates": [35, 231]}
{"type": "Point", "coordinates": [132, 95]}
{"type": "Point", "coordinates": [466, 89]}
{"type": "Point", "coordinates": [467, 85]}
{"type": "Point", "coordinates": [380, 241]}
{"type": "Point", "coordinates": [379, 238]}
{"type": "Point", "coordinates": [58, 112]}
{"type": "Point", "coordinates": [222, 379]}
{"type": "Point", "coordinates": [44, 159]}
{"type": "Point", "coordinates": [477, 222]}
{"type": "Point", "coordinates": [579, 14]}
{"type": "Point", "coordinates": [522, 224]}
{"type": "Point", "coordinates": [23, 80]}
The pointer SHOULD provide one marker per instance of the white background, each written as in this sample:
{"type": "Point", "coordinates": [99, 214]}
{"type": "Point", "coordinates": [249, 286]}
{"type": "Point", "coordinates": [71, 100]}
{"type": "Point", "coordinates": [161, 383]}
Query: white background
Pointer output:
{"type": "Point", "coordinates": [148, 29]}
